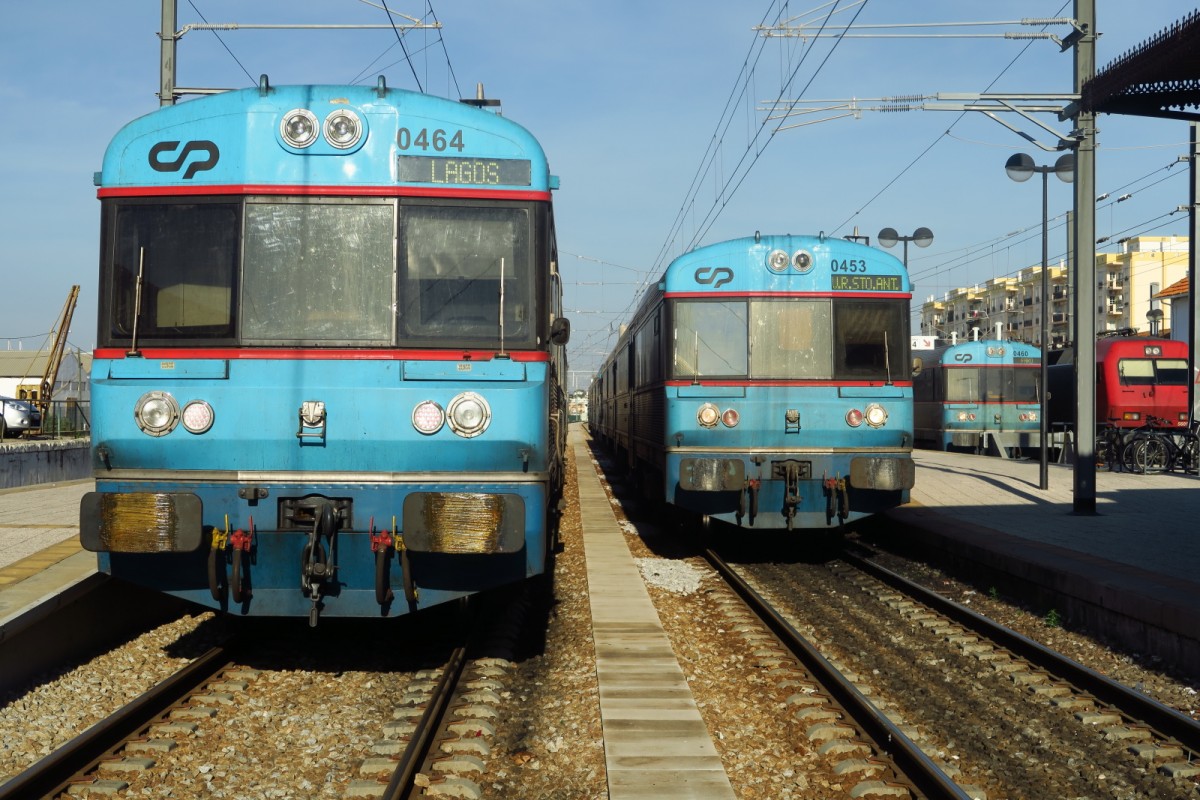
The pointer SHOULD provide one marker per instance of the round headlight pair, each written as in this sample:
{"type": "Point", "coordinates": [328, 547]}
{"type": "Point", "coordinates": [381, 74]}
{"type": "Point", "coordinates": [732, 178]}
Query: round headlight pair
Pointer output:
{"type": "Point", "coordinates": [299, 128]}
{"type": "Point", "coordinates": [468, 414]}
{"type": "Point", "coordinates": [778, 260]}
{"type": "Point", "coordinates": [876, 416]}
{"type": "Point", "coordinates": [708, 415]}
{"type": "Point", "coordinates": [157, 414]}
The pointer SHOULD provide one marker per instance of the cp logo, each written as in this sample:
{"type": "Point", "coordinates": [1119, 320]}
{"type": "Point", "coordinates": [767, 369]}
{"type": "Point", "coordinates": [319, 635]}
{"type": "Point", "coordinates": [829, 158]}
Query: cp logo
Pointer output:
{"type": "Point", "coordinates": [212, 156]}
{"type": "Point", "coordinates": [963, 357]}
{"type": "Point", "coordinates": [718, 277]}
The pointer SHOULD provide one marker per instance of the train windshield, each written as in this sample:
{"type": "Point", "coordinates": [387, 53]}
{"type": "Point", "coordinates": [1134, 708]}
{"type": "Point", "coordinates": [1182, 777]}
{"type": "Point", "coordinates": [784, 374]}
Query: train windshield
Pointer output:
{"type": "Point", "coordinates": [870, 339]}
{"type": "Point", "coordinates": [173, 269]}
{"type": "Point", "coordinates": [788, 339]}
{"type": "Point", "coordinates": [318, 272]}
{"type": "Point", "coordinates": [1153, 371]}
{"type": "Point", "coordinates": [465, 274]}
{"type": "Point", "coordinates": [999, 384]}
{"type": "Point", "coordinates": [710, 339]}
{"type": "Point", "coordinates": [322, 271]}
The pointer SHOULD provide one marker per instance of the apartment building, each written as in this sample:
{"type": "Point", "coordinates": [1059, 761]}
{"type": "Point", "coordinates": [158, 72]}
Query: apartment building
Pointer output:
{"type": "Point", "coordinates": [1127, 283]}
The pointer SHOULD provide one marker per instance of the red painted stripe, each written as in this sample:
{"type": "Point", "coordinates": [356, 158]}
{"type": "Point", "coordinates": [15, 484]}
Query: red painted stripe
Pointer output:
{"type": "Point", "coordinates": [323, 191]}
{"type": "Point", "coordinates": [977, 403]}
{"type": "Point", "coordinates": [309, 354]}
{"type": "Point", "coordinates": [736, 295]}
{"type": "Point", "coordinates": [781, 382]}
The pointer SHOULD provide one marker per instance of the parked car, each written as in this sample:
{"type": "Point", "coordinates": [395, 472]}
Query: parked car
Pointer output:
{"type": "Point", "coordinates": [18, 416]}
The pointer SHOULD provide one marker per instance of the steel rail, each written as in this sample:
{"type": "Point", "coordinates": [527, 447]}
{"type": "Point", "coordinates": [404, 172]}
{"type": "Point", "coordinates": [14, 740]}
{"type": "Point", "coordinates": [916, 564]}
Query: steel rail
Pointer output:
{"type": "Point", "coordinates": [401, 784]}
{"type": "Point", "coordinates": [52, 774]}
{"type": "Point", "coordinates": [925, 775]}
{"type": "Point", "coordinates": [1165, 721]}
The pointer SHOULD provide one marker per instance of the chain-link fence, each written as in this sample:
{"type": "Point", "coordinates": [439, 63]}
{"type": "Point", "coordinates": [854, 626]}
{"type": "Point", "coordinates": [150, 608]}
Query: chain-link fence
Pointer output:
{"type": "Point", "coordinates": [68, 419]}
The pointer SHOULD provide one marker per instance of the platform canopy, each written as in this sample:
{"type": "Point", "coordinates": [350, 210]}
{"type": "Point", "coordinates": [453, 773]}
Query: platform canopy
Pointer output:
{"type": "Point", "coordinates": [1158, 78]}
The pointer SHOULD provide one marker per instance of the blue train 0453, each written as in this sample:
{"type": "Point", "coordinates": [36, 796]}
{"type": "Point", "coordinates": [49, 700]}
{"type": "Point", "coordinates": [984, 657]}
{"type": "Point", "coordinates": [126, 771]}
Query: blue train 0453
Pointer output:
{"type": "Point", "coordinates": [329, 369]}
{"type": "Point", "coordinates": [766, 382]}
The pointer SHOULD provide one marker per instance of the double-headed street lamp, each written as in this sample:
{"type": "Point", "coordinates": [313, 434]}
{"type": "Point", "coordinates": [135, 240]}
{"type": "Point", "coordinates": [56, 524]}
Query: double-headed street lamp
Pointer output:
{"type": "Point", "coordinates": [1021, 168]}
{"type": "Point", "coordinates": [922, 237]}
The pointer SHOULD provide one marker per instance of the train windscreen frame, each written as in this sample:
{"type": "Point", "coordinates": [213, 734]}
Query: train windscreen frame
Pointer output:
{"type": "Point", "coordinates": [789, 339]}
{"type": "Point", "coordinates": [328, 272]}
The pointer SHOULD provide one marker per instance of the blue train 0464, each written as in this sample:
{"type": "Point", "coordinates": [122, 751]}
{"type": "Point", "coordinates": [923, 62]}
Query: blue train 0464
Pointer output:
{"type": "Point", "coordinates": [766, 382]}
{"type": "Point", "coordinates": [329, 368]}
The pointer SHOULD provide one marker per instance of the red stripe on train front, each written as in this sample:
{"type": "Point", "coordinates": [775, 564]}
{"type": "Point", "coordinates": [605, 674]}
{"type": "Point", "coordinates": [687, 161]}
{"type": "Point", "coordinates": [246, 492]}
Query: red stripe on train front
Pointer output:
{"type": "Point", "coordinates": [310, 354]}
{"type": "Point", "coordinates": [321, 191]}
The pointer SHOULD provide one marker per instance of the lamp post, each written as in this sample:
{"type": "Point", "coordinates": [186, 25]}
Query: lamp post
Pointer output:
{"type": "Point", "coordinates": [1021, 168]}
{"type": "Point", "coordinates": [922, 237]}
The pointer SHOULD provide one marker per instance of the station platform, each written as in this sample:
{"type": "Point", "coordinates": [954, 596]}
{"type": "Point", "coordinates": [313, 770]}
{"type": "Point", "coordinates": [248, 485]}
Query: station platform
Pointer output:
{"type": "Point", "coordinates": [1130, 572]}
{"type": "Point", "coordinates": [40, 553]}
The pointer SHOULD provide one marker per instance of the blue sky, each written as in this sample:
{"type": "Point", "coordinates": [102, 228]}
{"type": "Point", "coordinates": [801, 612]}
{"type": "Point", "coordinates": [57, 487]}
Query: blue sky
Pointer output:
{"type": "Point", "coordinates": [626, 97]}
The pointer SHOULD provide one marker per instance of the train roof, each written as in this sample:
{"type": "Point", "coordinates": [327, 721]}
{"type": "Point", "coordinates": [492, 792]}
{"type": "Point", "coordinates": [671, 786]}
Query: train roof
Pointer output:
{"type": "Point", "coordinates": [235, 139]}
{"type": "Point", "coordinates": [1004, 350]}
{"type": "Point", "coordinates": [1129, 345]}
{"type": "Point", "coordinates": [741, 265]}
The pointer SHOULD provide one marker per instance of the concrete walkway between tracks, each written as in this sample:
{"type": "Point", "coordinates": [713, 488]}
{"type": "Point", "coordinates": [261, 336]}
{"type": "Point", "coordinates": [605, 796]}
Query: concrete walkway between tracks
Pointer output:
{"type": "Point", "coordinates": [655, 742]}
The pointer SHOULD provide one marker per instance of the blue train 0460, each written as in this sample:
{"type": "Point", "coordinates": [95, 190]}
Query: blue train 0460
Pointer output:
{"type": "Point", "coordinates": [766, 382]}
{"type": "Point", "coordinates": [981, 396]}
{"type": "Point", "coordinates": [329, 368]}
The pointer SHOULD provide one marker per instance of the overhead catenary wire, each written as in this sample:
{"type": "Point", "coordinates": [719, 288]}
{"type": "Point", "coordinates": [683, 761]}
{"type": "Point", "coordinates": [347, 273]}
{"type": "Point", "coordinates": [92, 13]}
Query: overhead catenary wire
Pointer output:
{"type": "Point", "coordinates": [236, 60]}
{"type": "Point", "coordinates": [400, 39]}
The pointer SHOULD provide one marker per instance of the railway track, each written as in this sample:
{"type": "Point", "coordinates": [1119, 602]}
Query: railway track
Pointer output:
{"type": "Point", "coordinates": [1032, 708]}
{"type": "Point", "coordinates": [423, 730]}
{"type": "Point", "coordinates": [121, 739]}
{"type": "Point", "coordinates": [910, 768]}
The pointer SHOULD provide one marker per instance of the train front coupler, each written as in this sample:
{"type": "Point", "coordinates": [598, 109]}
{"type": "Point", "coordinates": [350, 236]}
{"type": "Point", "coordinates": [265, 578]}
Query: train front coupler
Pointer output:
{"type": "Point", "coordinates": [318, 562]}
{"type": "Point", "coordinates": [791, 495]}
{"type": "Point", "coordinates": [748, 500]}
{"type": "Point", "coordinates": [837, 500]}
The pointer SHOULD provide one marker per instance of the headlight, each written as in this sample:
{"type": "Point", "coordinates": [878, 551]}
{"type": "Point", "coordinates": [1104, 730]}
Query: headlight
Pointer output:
{"type": "Point", "coordinates": [854, 418]}
{"type": "Point", "coordinates": [299, 128]}
{"type": "Point", "coordinates": [802, 260]}
{"type": "Point", "coordinates": [469, 415]}
{"type": "Point", "coordinates": [428, 417]}
{"type": "Point", "coordinates": [156, 413]}
{"type": "Point", "coordinates": [731, 417]}
{"type": "Point", "coordinates": [777, 261]}
{"type": "Point", "coordinates": [197, 416]}
{"type": "Point", "coordinates": [707, 415]}
{"type": "Point", "coordinates": [343, 129]}
{"type": "Point", "coordinates": [876, 415]}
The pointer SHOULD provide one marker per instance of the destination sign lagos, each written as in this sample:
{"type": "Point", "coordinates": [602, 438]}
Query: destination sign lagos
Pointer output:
{"type": "Point", "coordinates": [866, 283]}
{"type": "Point", "coordinates": [461, 171]}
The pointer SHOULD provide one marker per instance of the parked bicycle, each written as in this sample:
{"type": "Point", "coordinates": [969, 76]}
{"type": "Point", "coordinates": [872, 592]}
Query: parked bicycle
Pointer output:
{"type": "Point", "coordinates": [1110, 447]}
{"type": "Point", "coordinates": [1152, 448]}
